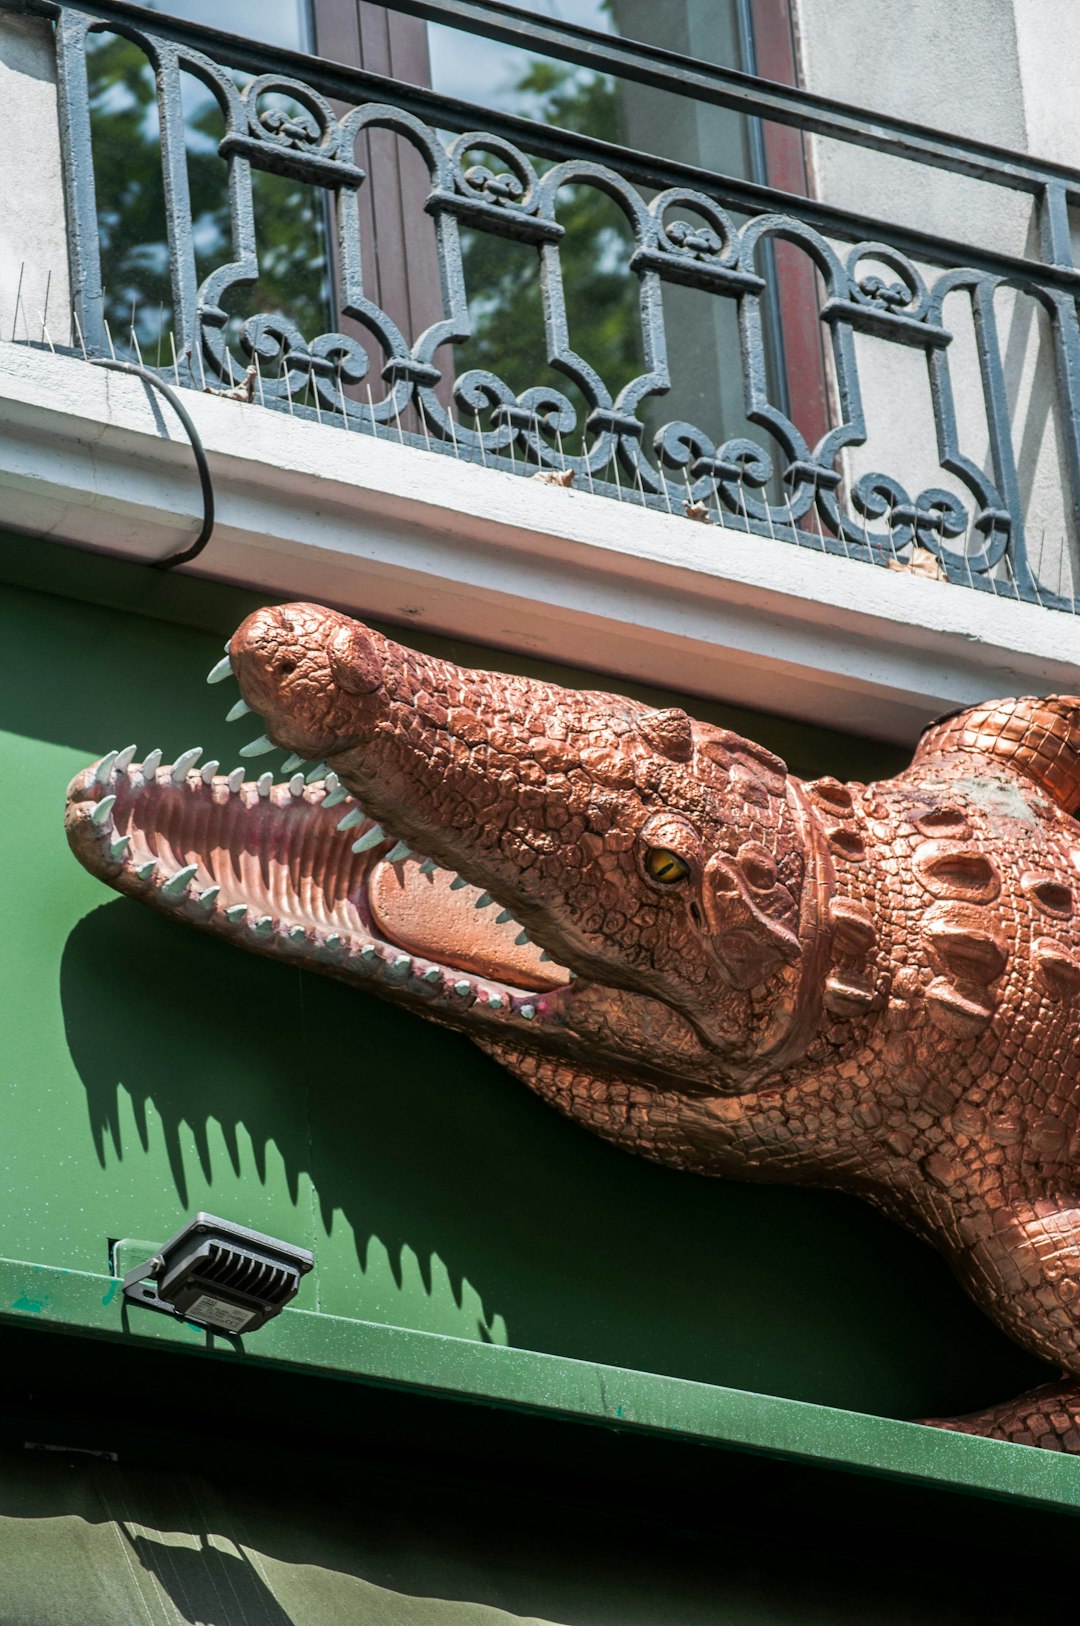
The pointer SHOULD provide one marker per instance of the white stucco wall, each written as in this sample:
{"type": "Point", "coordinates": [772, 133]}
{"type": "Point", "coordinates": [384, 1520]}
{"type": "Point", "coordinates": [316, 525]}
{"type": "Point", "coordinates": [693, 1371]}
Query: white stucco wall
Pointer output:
{"type": "Point", "coordinates": [1001, 71]}
{"type": "Point", "coordinates": [32, 235]}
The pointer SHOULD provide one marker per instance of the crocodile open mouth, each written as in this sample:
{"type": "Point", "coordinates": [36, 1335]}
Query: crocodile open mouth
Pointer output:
{"type": "Point", "coordinates": [295, 869]}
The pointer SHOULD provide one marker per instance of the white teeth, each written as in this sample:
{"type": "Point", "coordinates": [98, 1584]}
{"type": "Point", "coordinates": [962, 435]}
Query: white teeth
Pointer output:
{"type": "Point", "coordinates": [124, 759]}
{"type": "Point", "coordinates": [399, 851]}
{"type": "Point", "coordinates": [177, 885]}
{"type": "Point", "coordinates": [522, 938]}
{"type": "Point", "coordinates": [257, 748]}
{"type": "Point", "coordinates": [222, 670]}
{"type": "Point", "coordinates": [145, 871]}
{"type": "Point", "coordinates": [370, 839]}
{"type": "Point", "coordinates": [333, 941]}
{"type": "Point", "coordinates": [206, 899]}
{"type": "Point", "coordinates": [457, 883]}
{"type": "Point", "coordinates": [236, 779]}
{"type": "Point", "coordinates": [318, 772]}
{"type": "Point", "coordinates": [428, 867]}
{"type": "Point", "coordinates": [184, 764]}
{"type": "Point", "coordinates": [495, 1002]}
{"type": "Point", "coordinates": [401, 965]}
{"type": "Point", "coordinates": [119, 847]}
{"type": "Point", "coordinates": [264, 784]}
{"type": "Point", "coordinates": [296, 785]}
{"type": "Point", "coordinates": [297, 934]}
{"type": "Point", "coordinates": [369, 952]}
{"type": "Point", "coordinates": [528, 1012]}
{"type": "Point", "coordinates": [103, 771]}
{"type": "Point", "coordinates": [332, 782]}
{"type": "Point", "coordinates": [546, 956]}
{"type": "Point", "coordinates": [151, 764]}
{"type": "Point", "coordinates": [483, 900]}
{"type": "Point", "coordinates": [432, 974]}
{"type": "Point", "coordinates": [263, 925]}
{"type": "Point", "coordinates": [353, 817]}
{"type": "Point", "coordinates": [502, 917]}
{"type": "Point", "coordinates": [208, 770]}
{"type": "Point", "coordinates": [236, 913]}
{"type": "Point", "coordinates": [463, 988]}
{"type": "Point", "coordinates": [292, 762]}
{"type": "Point", "coordinates": [335, 797]}
{"type": "Point", "coordinates": [102, 810]}
{"type": "Point", "coordinates": [240, 708]}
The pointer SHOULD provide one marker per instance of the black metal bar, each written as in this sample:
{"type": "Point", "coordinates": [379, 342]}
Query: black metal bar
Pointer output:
{"type": "Point", "coordinates": [546, 141]}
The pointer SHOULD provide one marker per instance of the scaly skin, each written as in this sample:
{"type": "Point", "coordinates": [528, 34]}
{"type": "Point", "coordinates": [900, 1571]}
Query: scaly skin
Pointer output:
{"type": "Point", "coordinates": [868, 987]}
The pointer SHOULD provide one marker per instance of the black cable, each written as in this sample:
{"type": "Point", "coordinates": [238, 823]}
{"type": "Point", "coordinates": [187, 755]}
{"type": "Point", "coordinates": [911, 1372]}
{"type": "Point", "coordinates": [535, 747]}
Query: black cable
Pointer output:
{"type": "Point", "coordinates": [201, 464]}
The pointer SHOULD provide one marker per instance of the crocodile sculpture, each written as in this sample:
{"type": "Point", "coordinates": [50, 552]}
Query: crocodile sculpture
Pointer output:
{"type": "Point", "coordinates": [669, 937]}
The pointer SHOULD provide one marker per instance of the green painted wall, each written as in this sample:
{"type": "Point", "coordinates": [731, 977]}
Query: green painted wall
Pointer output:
{"type": "Point", "coordinates": [148, 1071]}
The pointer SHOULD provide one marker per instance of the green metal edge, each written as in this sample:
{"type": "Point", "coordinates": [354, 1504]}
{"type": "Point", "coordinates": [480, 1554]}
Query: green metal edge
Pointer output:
{"type": "Point", "coordinates": [555, 1386]}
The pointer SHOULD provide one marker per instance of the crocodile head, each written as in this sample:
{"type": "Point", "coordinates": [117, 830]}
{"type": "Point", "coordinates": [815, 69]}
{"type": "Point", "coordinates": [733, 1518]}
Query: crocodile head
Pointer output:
{"type": "Point", "coordinates": [549, 870]}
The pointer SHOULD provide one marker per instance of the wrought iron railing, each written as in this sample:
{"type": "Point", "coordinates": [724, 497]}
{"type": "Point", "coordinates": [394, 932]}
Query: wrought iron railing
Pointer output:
{"type": "Point", "coordinates": [301, 117]}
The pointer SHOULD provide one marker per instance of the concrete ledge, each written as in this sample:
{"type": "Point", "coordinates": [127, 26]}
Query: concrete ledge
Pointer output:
{"type": "Point", "coordinates": [409, 536]}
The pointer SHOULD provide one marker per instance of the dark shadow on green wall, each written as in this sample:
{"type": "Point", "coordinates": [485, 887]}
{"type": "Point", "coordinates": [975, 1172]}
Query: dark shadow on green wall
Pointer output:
{"type": "Point", "coordinates": [418, 1141]}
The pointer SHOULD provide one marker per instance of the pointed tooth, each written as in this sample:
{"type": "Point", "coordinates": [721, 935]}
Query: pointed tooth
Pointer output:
{"type": "Point", "coordinates": [544, 955]}
{"type": "Point", "coordinates": [119, 847]}
{"type": "Point", "coordinates": [296, 785]}
{"type": "Point", "coordinates": [432, 974]}
{"type": "Point", "coordinates": [495, 1002]}
{"type": "Point", "coordinates": [257, 748]}
{"type": "Point", "coordinates": [208, 770]}
{"type": "Point", "coordinates": [176, 886]}
{"type": "Point", "coordinates": [103, 771]}
{"type": "Point", "coordinates": [332, 942]}
{"type": "Point", "coordinates": [522, 938]}
{"type": "Point", "coordinates": [145, 871]}
{"type": "Point", "coordinates": [332, 783]}
{"type": "Point", "coordinates": [369, 952]}
{"type": "Point", "coordinates": [297, 934]}
{"type": "Point", "coordinates": [370, 839]}
{"type": "Point", "coordinates": [264, 784]}
{"type": "Point", "coordinates": [401, 964]}
{"type": "Point", "coordinates": [428, 867]}
{"type": "Point", "coordinates": [124, 759]}
{"type": "Point", "coordinates": [221, 671]}
{"type": "Point", "coordinates": [335, 797]}
{"type": "Point", "coordinates": [151, 764]}
{"type": "Point", "coordinates": [292, 762]}
{"type": "Point", "coordinates": [457, 883]}
{"type": "Point", "coordinates": [483, 900]}
{"type": "Point", "coordinates": [528, 1012]}
{"type": "Point", "coordinates": [236, 914]}
{"type": "Point", "coordinates": [462, 988]}
{"type": "Point", "coordinates": [502, 917]}
{"type": "Point", "coordinates": [400, 850]}
{"type": "Point", "coordinates": [238, 709]}
{"type": "Point", "coordinates": [236, 779]}
{"type": "Point", "coordinates": [264, 925]}
{"type": "Point", "coordinates": [318, 772]}
{"type": "Point", "coordinates": [102, 810]}
{"type": "Point", "coordinates": [353, 817]}
{"type": "Point", "coordinates": [208, 898]}
{"type": "Point", "coordinates": [183, 765]}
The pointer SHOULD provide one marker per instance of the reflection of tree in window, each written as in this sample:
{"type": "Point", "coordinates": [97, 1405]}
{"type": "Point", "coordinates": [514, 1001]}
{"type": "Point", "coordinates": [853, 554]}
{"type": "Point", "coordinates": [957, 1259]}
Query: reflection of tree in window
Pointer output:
{"type": "Point", "coordinates": [289, 217]}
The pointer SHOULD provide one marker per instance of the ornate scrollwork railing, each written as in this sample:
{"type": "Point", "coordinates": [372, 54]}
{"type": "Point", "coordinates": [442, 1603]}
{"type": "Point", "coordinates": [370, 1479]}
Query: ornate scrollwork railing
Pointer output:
{"type": "Point", "coordinates": [684, 232]}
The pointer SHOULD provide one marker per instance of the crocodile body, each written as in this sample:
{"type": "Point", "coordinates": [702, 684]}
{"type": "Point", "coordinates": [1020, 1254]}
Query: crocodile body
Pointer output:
{"type": "Point", "coordinates": [673, 940]}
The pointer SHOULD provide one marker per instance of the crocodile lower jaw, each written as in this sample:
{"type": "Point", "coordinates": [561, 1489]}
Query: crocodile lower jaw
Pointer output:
{"type": "Point", "coordinates": [266, 866]}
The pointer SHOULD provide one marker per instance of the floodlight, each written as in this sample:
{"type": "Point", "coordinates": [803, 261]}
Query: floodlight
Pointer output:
{"type": "Point", "coordinates": [219, 1275]}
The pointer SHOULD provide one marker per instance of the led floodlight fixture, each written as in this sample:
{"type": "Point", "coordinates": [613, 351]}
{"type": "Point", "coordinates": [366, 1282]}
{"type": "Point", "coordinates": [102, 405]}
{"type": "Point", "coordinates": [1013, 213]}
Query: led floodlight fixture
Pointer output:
{"type": "Point", "coordinates": [219, 1275]}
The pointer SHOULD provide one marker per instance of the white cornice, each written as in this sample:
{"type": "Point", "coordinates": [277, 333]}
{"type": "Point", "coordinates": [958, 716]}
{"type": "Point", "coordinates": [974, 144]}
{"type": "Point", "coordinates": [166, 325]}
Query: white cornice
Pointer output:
{"type": "Point", "coordinates": [414, 537]}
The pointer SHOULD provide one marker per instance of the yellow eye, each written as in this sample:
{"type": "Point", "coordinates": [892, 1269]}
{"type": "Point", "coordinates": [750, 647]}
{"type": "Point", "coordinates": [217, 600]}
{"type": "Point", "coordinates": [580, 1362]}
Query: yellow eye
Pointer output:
{"type": "Point", "coordinates": [665, 866]}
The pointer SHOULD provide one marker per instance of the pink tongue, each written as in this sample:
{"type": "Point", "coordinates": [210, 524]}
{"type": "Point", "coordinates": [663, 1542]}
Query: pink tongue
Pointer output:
{"type": "Point", "coordinates": [421, 914]}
